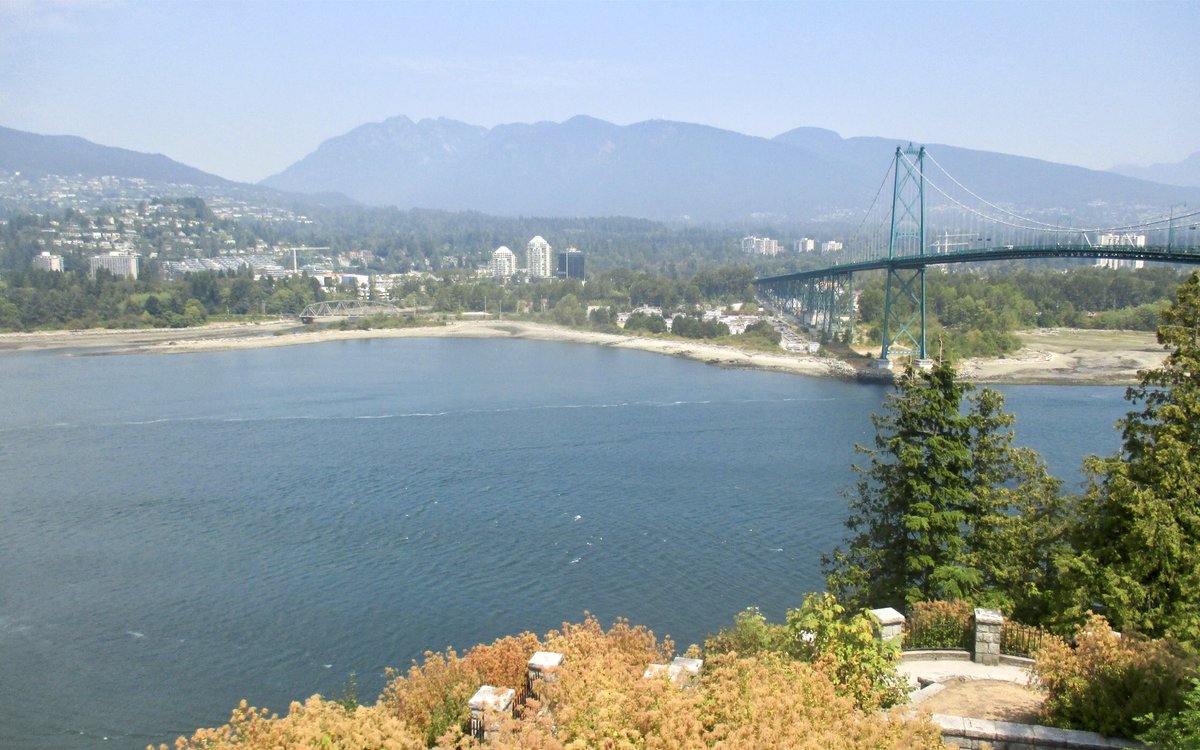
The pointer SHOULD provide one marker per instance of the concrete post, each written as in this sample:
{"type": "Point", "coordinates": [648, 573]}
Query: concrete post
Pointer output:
{"type": "Point", "coordinates": [891, 625]}
{"type": "Point", "coordinates": [543, 668]}
{"type": "Point", "coordinates": [987, 636]}
{"type": "Point", "coordinates": [489, 706]}
{"type": "Point", "coordinates": [681, 670]}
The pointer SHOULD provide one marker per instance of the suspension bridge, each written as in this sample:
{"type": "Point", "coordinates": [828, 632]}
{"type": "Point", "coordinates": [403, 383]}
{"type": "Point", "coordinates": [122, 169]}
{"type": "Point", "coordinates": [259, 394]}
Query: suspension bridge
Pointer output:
{"type": "Point", "coordinates": [936, 220]}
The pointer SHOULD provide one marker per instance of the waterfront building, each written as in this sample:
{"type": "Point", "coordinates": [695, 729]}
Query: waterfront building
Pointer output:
{"type": "Point", "coordinates": [116, 263]}
{"type": "Point", "coordinates": [48, 262]}
{"type": "Point", "coordinates": [504, 263]}
{"type": "Point", "coordinates": [538, 259]}
{"type": "Point", "coordinates": [570, 264]}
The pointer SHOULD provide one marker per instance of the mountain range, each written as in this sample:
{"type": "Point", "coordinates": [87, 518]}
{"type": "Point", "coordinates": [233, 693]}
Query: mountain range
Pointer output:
{"type": "Point", "coordinates": [667, 170]}
{"type": "Point", "coordinates": [588, 167]}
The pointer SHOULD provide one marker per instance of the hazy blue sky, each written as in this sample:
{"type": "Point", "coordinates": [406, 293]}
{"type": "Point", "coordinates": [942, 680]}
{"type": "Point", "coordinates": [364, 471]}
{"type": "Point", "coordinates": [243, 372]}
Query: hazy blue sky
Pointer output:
{"type": "Point", "coordinates": [244, 89]}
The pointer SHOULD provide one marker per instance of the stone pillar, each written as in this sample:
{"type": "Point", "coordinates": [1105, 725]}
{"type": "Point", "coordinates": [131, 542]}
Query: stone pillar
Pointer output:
{"type": "Point", "coordinates": [681, 670]}
{"type": "Point", "coordinates": [891, 625]}
{"type": "Point", "coordinates": [987, 636]}
{"type": "Point", "coordinates": [543, 668]}
{"type": "Point", "coordinates": [489, 706]}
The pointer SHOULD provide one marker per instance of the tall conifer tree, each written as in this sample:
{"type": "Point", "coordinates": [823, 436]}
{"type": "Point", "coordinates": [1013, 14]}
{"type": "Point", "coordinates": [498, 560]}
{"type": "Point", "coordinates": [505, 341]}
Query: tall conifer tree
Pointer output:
{"type": "Point", "coordinates": [945, 507]}
{"type": "Point", "coordinates": [1138, 524]}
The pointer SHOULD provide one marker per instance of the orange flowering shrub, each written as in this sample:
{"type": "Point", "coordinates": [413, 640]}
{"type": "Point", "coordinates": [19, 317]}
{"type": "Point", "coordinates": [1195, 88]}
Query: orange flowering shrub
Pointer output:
{"type": "Point", "coordinates": [316, 723]}
{"type": "Point", "coordinates": [599, 699]}
{"type": "Point", "coordinates": [1107, 680]}
{"type": "Point", "coordinates": [739, 704]}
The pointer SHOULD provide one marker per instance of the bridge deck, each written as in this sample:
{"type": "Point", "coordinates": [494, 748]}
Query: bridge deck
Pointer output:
{"type": "Point", "coordinates": [1157, 254]}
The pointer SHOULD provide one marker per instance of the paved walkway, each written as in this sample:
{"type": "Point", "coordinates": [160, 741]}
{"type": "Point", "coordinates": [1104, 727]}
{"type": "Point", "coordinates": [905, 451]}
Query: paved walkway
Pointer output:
{"type": "Point", "coordinates": [938, 670]}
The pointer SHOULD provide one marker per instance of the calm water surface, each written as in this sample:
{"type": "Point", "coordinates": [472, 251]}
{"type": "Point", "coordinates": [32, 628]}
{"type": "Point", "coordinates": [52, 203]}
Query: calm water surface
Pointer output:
{"type": "Point", "coordinates": [181, 532]}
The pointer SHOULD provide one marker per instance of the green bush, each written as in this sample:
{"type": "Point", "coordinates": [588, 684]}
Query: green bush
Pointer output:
{"type": "Point", "coordinates": [939, 624]}
{"type": "Point", "coordinates": [750, 635]}
{"type": "Point", "coordinates": [1180, 731]}
{"type": "Point", "coordinates": [846, 649]}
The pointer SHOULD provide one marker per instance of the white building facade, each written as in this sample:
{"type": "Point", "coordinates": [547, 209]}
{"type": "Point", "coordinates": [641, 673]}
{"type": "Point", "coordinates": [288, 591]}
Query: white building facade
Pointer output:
{"type": "Point", "coordinates": [539, 260]}
{"type": "Point", "coordinates": [760, 246]}
{"type": "Point", "coordinates": [48, 262]}
{"type": "Point", "coordinates": [504, 263]}
{"type": "Point", "coordinates": [118, 264]}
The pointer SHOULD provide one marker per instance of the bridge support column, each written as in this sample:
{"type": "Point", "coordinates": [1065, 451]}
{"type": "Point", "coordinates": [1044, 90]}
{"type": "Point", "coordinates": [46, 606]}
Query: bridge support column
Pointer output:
{"type": "Point", "coordinates": [907, 240]}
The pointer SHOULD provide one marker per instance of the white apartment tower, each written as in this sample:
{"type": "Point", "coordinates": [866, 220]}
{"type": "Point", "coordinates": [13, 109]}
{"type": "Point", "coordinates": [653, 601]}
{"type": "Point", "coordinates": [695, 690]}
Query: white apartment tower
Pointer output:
{"type": "Point", "coordinates": [504, 262]}
{"type": "Point", "coordinates": [760, 246]}
{"type": "Point", "coordinates": [539, 261]}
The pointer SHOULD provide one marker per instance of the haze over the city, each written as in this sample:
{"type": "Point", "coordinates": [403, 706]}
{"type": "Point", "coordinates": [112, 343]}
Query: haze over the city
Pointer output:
{"type": "Point", "coordinates": [246, 89]}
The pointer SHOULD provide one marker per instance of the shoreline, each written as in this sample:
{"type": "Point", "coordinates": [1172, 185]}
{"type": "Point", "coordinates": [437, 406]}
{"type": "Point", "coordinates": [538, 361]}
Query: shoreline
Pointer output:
{"type": "Point", "coordinates": [1050, 356]}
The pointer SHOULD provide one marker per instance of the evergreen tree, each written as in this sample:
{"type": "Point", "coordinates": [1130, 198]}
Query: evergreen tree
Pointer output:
{"type": "Point", "coordinates": [1138, 524]}
{"type": "Point", "coordinates": [937, 513]}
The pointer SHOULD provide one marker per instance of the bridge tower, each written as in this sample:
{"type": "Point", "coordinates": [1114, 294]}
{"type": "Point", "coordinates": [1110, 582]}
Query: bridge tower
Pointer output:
{"type": "Point", "coordinates": [904, 301]}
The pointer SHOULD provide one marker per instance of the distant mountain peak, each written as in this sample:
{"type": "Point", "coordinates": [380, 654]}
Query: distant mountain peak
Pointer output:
{"type": "Point", "coordinates": [1185, 172]}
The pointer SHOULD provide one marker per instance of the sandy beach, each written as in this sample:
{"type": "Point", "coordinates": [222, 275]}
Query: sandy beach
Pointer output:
{"type": "Point", "coordinates": [1065, 356]}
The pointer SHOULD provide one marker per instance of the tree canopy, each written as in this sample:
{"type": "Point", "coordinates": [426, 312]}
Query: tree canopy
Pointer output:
{"type": "Point", "coordinates": [1137, 526]}
{"type": "Point", "coordinates": [935, 512]}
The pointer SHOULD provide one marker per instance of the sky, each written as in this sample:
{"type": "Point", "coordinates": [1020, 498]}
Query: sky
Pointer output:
{"type": "Point", "coordinates": [244, 89]}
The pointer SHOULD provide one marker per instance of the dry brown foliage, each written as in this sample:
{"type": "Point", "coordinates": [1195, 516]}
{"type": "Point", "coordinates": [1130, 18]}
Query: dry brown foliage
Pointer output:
{"type": "Point", "coordinates": [599, 700]}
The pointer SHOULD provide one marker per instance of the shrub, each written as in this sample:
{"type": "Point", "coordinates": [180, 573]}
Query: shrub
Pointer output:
{"type": "Point", "coordinates": [316, 723]}
{"type": "Point", "coordinates": [939, 624]}
{"type": "Point", "coordinates": [1107, 679]}
{"type": "Point", "coordinates": [1179, 731]}
{"type": "Point", "coordinates": [845, 648]}
{"type": "Point", "coordinates": [600, 699]}
{"type": "Point", "coordinates": [750, 635]}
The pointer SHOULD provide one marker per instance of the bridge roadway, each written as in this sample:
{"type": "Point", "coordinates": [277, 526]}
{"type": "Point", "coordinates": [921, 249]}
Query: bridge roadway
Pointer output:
{"type": "Point", "coordinates": [1157, 254]}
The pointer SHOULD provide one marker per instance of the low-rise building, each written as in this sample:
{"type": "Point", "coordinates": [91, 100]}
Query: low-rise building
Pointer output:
{"type": "Point", "coordinates": [47, 261]}
{"type": "Point", "coordinates": [116, 263]}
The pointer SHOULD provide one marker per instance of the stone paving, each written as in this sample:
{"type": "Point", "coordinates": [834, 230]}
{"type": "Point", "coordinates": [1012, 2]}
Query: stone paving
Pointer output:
{"type": "Point", "coordinates": [921, 672]}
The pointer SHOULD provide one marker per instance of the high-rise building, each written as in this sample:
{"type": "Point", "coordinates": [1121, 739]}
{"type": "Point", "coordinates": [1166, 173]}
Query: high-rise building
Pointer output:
{"type": "Point", "coordinates": [118, 264]}
{"type": "Point", "coordinates": [832, 246]}
{"type": "Point", "coordinates": [760, 246]}
{"type": "Point", "coordinates": [538, 259]}
{"type": "Point", "coordinates": [570, 264]}
{"type": "Point", "coordinates": [806, 245]}
{"type": "Point", "coordinates": [48, 262]}
{"type": "Point", "coordinates": [504, 262]}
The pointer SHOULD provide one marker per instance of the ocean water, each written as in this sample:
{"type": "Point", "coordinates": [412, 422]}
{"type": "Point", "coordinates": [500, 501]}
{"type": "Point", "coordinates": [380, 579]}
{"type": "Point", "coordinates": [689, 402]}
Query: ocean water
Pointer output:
{"type": "Point", "coordinates": [182, 532]}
